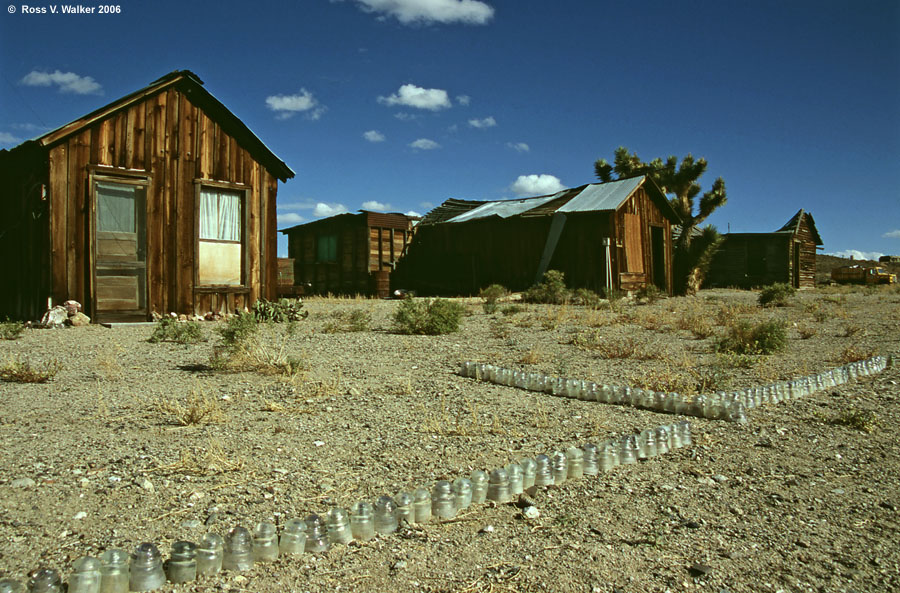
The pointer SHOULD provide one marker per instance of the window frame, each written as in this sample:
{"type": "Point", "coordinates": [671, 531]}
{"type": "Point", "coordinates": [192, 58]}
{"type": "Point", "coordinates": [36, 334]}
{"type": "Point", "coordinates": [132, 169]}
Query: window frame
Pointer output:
{"type": "Point", "coordinates": [244, 192]}
{"type": "Point", "coordinates": [331, 238]}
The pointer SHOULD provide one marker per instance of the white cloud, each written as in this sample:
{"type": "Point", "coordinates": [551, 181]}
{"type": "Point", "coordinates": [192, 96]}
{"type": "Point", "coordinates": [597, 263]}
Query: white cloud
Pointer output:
{"type": "Point", "coordinates": [856, 254]}
{"type": "Point", "coordinates": [463, 99]}
{"type": "Point", "coordinates": [413, 213]}
{"type": "Point", "coordinates": [376, 206]}
{"type": "Point", "coordinates": [518, 146]}
{"type": "Point", "coordinates": [290, 218]}
{"type": "Point", "coordinates": [68, 82]}
{"type": "Point", "coordinates": [469, 12]}
{"type": "Point", "coordinates": [537, 185]}
{"type": "Point", "coordinates": [302, 205]}
{"type": "Point", "coordinates": [892, 234]}
{"type": "Point", "coordinates": [7, 139]}
{"type": "Point", "coordinates": [426, 205]}
{"type": "Point", "coordinates": [403, 116]}
{"type": "Point", "coordinates": [289, 105]}
{"type": "Point", "coordinates": [424, 144]}
{"type": "Point", "coordinates": [374, 136]}
{"type": "Point", "coordinates": [322, 209]}
{"type": "Point", "coordinates": [487, 122]}
{"type": "Point", "coordinates": [410, 95]}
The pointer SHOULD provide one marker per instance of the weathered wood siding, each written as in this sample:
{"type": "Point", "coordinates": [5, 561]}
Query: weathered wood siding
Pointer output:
{"type": "Point", "coordinates": [635, 263]}
{"type": "Point", "coordinates": [172, 143]}
{"type": "Point", "coordinates": [366, 243]}
{"type": "Point", "coordinates": [752, 260]}
{"type": "Point", "coordinates": [806, 243]}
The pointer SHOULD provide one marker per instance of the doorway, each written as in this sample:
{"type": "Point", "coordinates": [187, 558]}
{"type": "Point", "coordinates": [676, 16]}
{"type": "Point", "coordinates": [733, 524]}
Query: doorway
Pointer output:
{"type": "Point", "coordinates": [119, 250]}
{"type": "Point", "coordinates": [658, 253]}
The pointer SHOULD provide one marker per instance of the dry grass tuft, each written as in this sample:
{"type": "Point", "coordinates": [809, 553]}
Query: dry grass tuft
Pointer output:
{"type": "Point", "coordinates": [855, 352]}
{"type": "Point", "coordinates": [17, 370]}
{"type": "Point", "coordinates": [533, 356]}
{"type": "Point", "coordinates": [107, 361]}
{"type": "Point", "coordinates": [198, 408]}
{"type": "Point", "coordinates": [215, 461]}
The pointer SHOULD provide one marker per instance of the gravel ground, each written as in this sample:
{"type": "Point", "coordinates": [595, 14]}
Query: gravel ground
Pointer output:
{"type": "Point", "coordinates": [801, 498]}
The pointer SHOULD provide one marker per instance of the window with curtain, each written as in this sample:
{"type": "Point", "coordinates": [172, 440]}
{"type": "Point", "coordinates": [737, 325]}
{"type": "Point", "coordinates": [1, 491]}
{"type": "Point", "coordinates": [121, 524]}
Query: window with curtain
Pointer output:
{"type": "Point", "coordinates": [220, 236]}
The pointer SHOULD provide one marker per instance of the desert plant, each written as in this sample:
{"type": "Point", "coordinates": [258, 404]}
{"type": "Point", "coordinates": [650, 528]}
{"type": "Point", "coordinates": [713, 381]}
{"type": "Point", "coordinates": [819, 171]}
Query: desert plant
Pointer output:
{"type": "Point", "coordinates": [776, 295]}
{"type": "Point", "coordinates": [586, 298]}
{"type": "Point", "coordinates": [864, 420]}
{"type": "Point", "coordinates": [428, 317]}
{"type": "Point", "coordinates": [243, 350]}
{"type": "Point", "coordinates": [17, 370]}
{"type": "Point", "coordinates": [697, 323]}
{"type": "Point", "coordinates": [238, 328]}
{"type": "Point", "coordinates": [551, 290]}
{"type": "Point", "coordinates": [280, 311]}
{"type": "Point", "coordinates": [650, 294]}
{"type": "Point", "coordinates": [197, 408]}
{"type": "Point", "coordinates": [533, 356]}
{"type": "Point", "coordinates": [806, 332]}
{"type": "Point", "coordinates": [353, 320]}
{"type": "Point", "coordinates": [850, 330]}
{"type": "Point", "coordinates": [512, 309]}
{"type": "Point", "coordinates": [11, 330]}
{"type": "Point", "coordinates": [744, 337]}
{"type": "Point", "coordinates": [491, 295]}
{"type": "Point", "coordinates": [855, 352]}
{"type": "Point", "coordinates": [735, 361]}
{"type": "Point", "coordinates": [169, 329]}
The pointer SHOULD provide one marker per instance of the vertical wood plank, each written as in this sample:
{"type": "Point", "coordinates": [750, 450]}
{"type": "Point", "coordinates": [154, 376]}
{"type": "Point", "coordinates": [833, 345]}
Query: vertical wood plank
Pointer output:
{"type": "Point", "coordinates": [253, 230]}
{"type": "Point", "coordinates": [184, 205]}
{"type": "Point", "coordinates": [130, 124]}
{"type": "Point", "coordinates": [160, 299]}
{"type": "Point", "coordinates": [59, 198]}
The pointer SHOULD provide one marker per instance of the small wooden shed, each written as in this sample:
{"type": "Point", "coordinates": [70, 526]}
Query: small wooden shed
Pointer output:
{"type": "Point", "coordinates": [161, 201]}
{"type": "Point", "coordinates": [788, 255]}
{"type": "Point", "coordinates": [349, 253]}
{"type": "Point", "coordinates": [602, 236]}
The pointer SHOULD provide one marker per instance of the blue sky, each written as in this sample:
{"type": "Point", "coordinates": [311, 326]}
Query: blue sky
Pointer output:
{"type": "Point", "coordinates": [401, 104]}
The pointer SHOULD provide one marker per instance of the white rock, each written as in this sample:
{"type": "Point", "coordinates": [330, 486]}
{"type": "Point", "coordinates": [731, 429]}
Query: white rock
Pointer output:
{"type": "Point", "coordinates": [531, 512]}
{"type": "Point", "coordinates": [79, 515]}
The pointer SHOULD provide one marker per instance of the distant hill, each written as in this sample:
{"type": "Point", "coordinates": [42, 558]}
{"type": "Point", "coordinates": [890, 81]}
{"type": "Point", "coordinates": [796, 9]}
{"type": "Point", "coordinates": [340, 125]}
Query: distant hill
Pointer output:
{"type": "Point", "coordinates": [826, 263]}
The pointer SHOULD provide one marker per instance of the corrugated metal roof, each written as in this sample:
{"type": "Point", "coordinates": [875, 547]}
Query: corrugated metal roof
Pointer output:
{"type": "Point", "coordinates": [602, 196]}
{"type": "Point", "coordinates": [503, 209]}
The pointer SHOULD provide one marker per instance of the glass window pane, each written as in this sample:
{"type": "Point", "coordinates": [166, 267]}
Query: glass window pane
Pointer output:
{"type": "Point", "coordinates": [220, 215]}
{"type": "Point", "coordinates": [115, 208]}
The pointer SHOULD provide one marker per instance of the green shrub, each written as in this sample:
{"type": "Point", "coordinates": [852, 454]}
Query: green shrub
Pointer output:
{"type": "Point", "coordinates": [743, 337]}
{"type": "Point", "coordinates": [587, 298]}
{"type": "Point", "coordinates": [434, 317]}
{"type": "Point", "coordinates": [238, 329]}
{"type": "Point", "coordinates": [10, 330]}
{"type": "Point", "coordinates": [491, 294]}
{"type": "Point", "coordinates": [354, 320]}
{"type": "Point", "coordinates": [512, 309]}
{"type": "Point", "coordinates": [169, 329]}
{"type": "Point", "coordinates": [776, 295]}
{"type": "Point", "coordinates": [551, 290]}
{"type": "Point", "coordinates": [280, 311]}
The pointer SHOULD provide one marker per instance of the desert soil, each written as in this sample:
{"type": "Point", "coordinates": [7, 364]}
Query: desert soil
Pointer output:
{"type": "Point", "coordinates": [801, 498]}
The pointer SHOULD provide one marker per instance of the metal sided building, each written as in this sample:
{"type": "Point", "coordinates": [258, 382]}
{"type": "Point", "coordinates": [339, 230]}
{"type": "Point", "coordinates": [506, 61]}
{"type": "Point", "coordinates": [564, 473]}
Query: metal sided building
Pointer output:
{"type": "Point", "coordinates": [788, 255]}
{"type": "Point", "coordinates": [349, 253]}
{"type": "Point", "coordinates": [161, 201]}
{"type": "Point", "coordinates": [604, 236]}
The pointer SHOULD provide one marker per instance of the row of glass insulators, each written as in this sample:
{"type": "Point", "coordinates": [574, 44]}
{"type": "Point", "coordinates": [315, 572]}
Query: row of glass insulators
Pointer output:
{"type": "Point", "coordinates": [731, 406]}
{"type": "Point", "coordinates": [115, 572]}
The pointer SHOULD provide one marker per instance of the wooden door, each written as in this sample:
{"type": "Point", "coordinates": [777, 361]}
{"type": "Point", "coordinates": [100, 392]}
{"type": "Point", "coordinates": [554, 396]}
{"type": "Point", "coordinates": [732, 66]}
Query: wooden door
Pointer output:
{"type": "Point", "coordinates": [120, 251]}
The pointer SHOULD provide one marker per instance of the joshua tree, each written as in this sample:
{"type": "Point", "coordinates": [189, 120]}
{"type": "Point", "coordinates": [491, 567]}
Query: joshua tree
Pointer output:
{"type": "Point", "coordinates": [694, 247]}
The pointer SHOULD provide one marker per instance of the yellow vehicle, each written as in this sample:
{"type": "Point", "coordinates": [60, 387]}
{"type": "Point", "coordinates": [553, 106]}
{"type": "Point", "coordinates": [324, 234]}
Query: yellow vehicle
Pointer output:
{"type": "Point", "coordinates": [862, 275]}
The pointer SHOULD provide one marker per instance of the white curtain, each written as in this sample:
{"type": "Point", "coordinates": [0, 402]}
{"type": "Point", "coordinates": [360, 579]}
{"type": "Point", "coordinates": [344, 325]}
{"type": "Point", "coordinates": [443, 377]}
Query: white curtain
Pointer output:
{"type": "Point", "coordinates": [220, 215]}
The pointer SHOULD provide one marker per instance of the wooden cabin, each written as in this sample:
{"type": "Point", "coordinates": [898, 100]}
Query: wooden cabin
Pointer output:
{"type": "Point", "coordinates": [349, 253]}
{"type": "Point", "coordinates": [161, 201]}
{"type": "Point", "coordinates": [788, 255]}
{"type": "Point", "coordinates": [603, 236]}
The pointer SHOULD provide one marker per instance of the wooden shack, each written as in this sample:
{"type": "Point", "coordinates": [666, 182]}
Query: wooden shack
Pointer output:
{"type": "Point", "coordinates": [604, 236]}
{"type": "Point", "coordinates": [788, 255]}
{"type": "Point", "coordinates": [161, 201]}
{"type": "Point", "coordinates": [349, 253]}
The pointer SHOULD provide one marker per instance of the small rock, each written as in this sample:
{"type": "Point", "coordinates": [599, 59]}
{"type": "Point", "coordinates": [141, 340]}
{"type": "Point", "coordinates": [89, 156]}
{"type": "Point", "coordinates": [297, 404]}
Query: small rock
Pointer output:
{"type": "Point", "coordinates": [192, 524]}
{"type": "Point", "coordinates": [79, 515]}
{"type": "Point", "coordinates": [146, 484]}
{"type": "Point", "coordinates": [318, 443]}
{"type": "Point", "coordinates": [486, 529]}
{"type": "Point", "coordinates": [693, 524]}
{"type": "Point", "coordinates": [23, 483]}
{"type": "Point", "coordinates": [838, 491]}
{"type": "Point", "coordinates": [55, 316]}
{"type": "Point", "coordinates": [399, 565]}
{"type": "Point", "coordinates": [531, 513]}
{"type": "Point", "coordinates": [79, 320]}
{"type": "Point", "coordinates": [719, 478]}
{"type": "Point", "coordinates": [706, 481]}
{"type": "Point", "coordinates": [699, 570]}
{"type": "Point", "coordinates": [280, 470]}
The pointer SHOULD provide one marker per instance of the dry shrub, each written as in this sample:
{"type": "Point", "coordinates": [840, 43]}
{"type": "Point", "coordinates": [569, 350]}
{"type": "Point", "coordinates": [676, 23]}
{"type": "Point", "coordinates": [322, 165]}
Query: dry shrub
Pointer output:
{"type": "Point", "coordinates": [11, 330]}
{"type": "Point", "coordinates": [17, 370]}
{"type": "Point", "coordinates": [213, 461]}
{"type": "Point", "coordinates": [855, 352]}
{"type": "Point", "coordinates": [806, 332]}
{"type": "Point", "coordinates": [556, 316]}
{"type": "Point", "coordinates": [667, 380]}
{"type": "Point", "coordinates": [348, 321]}
{"type": "Point", "coordinates": [698, 324]}
{"type": "Point", "coordinates": [864, 420]}
{"type": "Point", "coordinates": [728, 312]}
{"type": "Point", "coordinates": [198, 408]}
{"type": "Point", "coordinates": [107, 361]}
{"type": "Point", "coordinates": [850, 330]}
{"type": "Point", "coordinates": [452, 423]}
{"type": "Point", "coordinates": [533, 356]}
